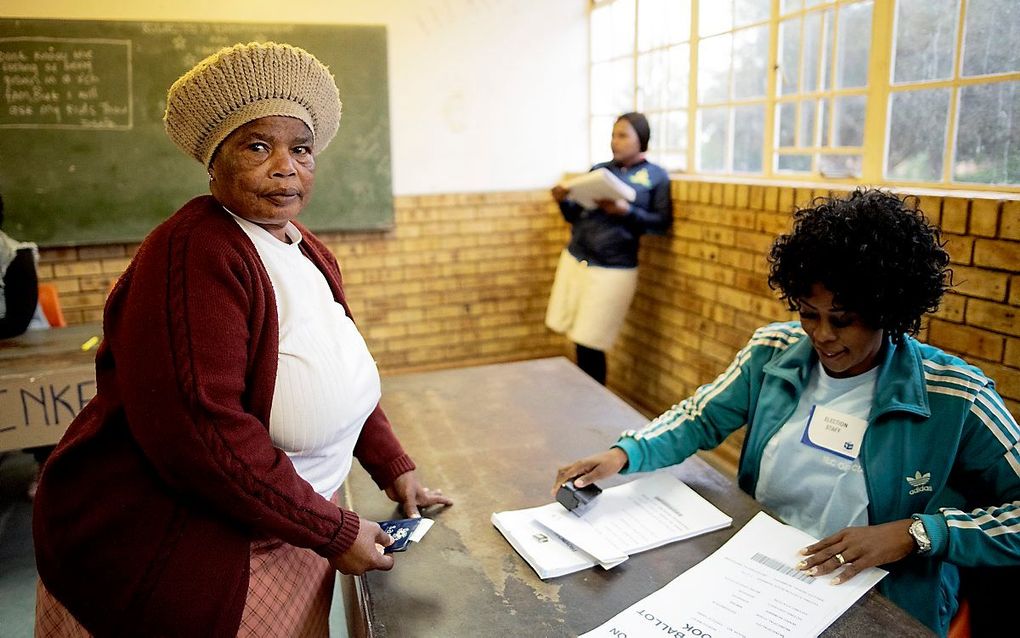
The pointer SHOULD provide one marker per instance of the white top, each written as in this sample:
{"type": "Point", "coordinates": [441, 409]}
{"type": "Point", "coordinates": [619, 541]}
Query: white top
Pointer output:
{"type": "Point", "coordinates": [327, 383]}
{"type": "Point", "coordinates": [814, 489]}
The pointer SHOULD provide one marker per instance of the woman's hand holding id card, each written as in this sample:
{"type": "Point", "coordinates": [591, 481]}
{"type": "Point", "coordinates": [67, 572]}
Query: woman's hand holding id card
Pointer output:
{"type": "Point", "coordinates": [403, 531]}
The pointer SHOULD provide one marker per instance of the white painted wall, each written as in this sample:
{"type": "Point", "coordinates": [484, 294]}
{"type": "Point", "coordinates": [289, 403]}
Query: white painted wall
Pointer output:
{"type": "Point", "coordinates": [485, 95]}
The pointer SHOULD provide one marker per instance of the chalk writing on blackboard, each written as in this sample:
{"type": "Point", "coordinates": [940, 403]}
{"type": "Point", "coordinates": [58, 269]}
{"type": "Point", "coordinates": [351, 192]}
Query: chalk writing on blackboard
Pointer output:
{"type": "Point", "coordinates": [65, 83]}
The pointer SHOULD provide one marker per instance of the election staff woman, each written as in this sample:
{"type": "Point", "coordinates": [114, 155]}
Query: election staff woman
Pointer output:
{"type": "Point", "coordinates": [597, 272]}
{"type": "Point", "coordinates": [191, 496]}
{"type": "Point", "coordinates": [891, 451]}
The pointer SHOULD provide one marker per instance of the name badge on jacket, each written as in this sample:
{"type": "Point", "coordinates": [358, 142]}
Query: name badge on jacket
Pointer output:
{"type": "Point", "coordinates": [835, 432]}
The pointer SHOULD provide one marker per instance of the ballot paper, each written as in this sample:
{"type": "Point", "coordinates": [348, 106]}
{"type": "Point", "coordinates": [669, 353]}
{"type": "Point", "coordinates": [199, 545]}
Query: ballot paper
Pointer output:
{"type": "Point", "coordinates": [748, 587]}
{"type": "Point", "coordinates": [649, 512]}
{"type": "Point", "coordinates": [598, 184]}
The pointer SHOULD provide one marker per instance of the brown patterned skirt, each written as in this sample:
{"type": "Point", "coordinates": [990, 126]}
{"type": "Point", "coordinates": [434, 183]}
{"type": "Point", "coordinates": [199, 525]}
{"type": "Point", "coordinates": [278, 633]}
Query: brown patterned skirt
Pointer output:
{"type": "Point", "coordinates": [289, 594]}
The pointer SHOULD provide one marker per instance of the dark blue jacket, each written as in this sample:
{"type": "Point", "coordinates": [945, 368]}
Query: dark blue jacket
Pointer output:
{"type": "Point", "coordinates": [611, 241]}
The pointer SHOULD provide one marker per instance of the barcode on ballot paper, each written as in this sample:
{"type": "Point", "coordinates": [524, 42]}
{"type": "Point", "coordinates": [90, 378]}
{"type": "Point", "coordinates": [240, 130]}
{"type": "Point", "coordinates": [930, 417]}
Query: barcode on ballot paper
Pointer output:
{"type": "Point", "coordinates": [780, 567]}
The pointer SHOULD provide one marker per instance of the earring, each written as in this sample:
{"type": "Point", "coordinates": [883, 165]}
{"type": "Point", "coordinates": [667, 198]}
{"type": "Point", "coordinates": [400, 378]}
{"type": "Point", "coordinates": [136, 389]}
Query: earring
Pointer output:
{"type": "Point", "coordinates": [211, 178]}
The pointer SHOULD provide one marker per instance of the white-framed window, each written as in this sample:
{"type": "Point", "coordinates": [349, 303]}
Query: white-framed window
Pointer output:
{"type": "Point", "coordinates": [920, 92]}
{"type": "Point", "coordinates": [821, 87]}
{"type": "Point", "coordinates": [612, 69]}
{"type": "Point", "coordinates": [733, 54]}
{"type": "Point", "coordinates": [663, 77]}
{"type": "Point", "coordinates": [954, 99]}
{"type": "Point", "coordinates": [640, 55]}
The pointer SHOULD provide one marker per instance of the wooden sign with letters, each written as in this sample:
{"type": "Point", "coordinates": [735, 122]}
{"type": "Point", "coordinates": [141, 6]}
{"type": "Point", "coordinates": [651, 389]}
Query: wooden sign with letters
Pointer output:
{"type": "Point", "coordinates": [35, 410]}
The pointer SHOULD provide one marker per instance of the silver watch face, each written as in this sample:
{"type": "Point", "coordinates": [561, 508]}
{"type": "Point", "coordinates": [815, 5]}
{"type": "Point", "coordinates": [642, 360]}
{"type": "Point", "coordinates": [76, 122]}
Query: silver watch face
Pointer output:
{"type": "Point", "coordinates": [920, 536]}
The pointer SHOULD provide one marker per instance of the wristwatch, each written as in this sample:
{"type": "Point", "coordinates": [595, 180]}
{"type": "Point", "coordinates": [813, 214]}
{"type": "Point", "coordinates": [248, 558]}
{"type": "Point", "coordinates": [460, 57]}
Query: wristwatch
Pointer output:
{"type": "Point", "coordinates": [920, 536]}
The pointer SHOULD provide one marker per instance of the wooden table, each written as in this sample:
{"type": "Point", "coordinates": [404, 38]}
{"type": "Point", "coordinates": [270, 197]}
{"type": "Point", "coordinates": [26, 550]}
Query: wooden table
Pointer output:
{"type": "Point", "coordinates": [46, 347]}
{"type": "Point", "coordinates": [45, 380]}
{"type": "Point", "coordinates": [492, 437]}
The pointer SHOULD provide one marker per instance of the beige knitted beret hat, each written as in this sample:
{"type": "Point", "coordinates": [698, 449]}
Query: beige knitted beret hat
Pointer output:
{"type": "Point", "coordinates": [242, 83]}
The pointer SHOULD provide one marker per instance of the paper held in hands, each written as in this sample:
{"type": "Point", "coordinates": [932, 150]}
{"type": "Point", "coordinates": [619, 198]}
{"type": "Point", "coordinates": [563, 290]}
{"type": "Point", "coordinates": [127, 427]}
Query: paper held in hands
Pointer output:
{"type": "Point", "coordinates": [598, 184]}
{"type": "Point", "coordinates": [649, 512]}
{"type": "Point", "coordinates": [748, 587]}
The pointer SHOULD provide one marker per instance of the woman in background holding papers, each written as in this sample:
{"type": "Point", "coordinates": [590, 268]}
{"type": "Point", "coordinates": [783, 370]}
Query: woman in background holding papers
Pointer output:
{"type": "Point", "coordinates": [597, 272]}
{"type": "Point", "coordinates": [891, 451]}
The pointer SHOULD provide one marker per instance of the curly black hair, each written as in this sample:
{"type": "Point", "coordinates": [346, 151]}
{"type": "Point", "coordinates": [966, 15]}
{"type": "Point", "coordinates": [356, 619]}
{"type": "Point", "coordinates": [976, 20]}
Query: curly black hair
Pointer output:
{"type": "Point", "coordinates": [876, 252]}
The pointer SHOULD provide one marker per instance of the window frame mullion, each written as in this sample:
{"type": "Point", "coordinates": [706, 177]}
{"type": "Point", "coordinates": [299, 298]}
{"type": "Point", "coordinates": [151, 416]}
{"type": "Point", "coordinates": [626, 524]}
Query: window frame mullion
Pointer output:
{"type": "Point", "coordinates": [878, 92]}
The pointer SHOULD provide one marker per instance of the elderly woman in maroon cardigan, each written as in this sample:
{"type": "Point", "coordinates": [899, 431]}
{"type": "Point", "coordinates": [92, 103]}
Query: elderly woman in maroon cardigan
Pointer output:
{"type": "Point", "coordinates": [192, 496]}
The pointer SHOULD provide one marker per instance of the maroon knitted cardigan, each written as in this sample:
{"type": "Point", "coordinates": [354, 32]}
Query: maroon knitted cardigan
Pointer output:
{"type": "Point", "coordinates": [146, 509]}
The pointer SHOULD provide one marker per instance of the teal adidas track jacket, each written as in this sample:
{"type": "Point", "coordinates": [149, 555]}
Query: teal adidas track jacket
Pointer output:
{"type": "Point", "coordinates": [940, 443]}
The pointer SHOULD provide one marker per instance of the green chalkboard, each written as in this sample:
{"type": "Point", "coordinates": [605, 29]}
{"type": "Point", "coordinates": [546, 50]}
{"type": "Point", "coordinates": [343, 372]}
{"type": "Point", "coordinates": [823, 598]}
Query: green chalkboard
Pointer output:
{"type": "Point", "coordinates": [83, 155]}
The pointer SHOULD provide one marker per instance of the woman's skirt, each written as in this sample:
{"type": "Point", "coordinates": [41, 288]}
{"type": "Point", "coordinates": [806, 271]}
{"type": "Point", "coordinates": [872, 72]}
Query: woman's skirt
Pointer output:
{"type": "Point", "coordinates": [289, 594]}
{"type": "Point", "coordinates": [589, 303]}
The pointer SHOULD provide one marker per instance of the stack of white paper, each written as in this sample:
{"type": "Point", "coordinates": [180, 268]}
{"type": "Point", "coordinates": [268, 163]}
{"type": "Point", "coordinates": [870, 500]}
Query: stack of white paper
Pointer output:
{"type": "Point", "coordinates": [650, 512]}
{"type": "Point", "coordinates": [748, 587]}
{"type": "Point", "coordinates": [548, 554]}
{"type": "Point", "coordinates": [598, 184]}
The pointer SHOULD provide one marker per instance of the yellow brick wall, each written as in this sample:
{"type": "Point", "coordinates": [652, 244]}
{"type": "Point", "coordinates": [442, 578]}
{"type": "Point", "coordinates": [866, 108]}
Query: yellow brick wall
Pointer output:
{"type": "Point", "coordinates": [463, 279]}
{"type": "Point", "coordinates": [702, 291]}
{"type": "Point", "coordinates": [460, 280]}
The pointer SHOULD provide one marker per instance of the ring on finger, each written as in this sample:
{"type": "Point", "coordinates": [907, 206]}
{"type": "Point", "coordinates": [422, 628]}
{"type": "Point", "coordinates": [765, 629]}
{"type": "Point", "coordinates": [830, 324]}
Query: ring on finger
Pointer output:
{"type": "Point", "coordinates": [839, 557]}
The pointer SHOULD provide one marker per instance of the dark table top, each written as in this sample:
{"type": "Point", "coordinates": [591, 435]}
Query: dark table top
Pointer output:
{"type": "Point", "coordinates": [492, 437]}
{"type": "Point", "coordinates": [41, 350]}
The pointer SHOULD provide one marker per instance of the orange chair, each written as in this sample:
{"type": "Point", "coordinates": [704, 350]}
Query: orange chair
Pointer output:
{"type": "Point", "coordinates": [960, 626]}
{"type": "Point", "coordinates": [50, 302]}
